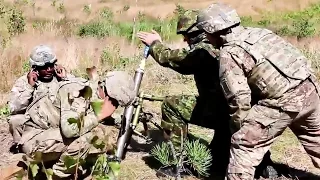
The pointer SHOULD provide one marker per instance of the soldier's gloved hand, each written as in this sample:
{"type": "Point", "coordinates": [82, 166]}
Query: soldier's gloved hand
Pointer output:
{"type": "Point", "coordinates": [60, 71]}
{"type": "Point", "coordinates": [147, 38]}
{"type": "Point", "coordinates": [32, 77]}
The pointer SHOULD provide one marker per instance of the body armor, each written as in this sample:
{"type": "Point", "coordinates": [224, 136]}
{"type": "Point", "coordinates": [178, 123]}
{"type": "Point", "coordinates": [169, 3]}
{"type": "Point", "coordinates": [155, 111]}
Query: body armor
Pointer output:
{"type": "Point", "coordinates": [279, 65]}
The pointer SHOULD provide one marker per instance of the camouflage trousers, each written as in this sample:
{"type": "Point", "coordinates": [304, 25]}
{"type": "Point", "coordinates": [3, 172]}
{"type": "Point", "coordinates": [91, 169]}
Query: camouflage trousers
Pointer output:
{"type": "Point", "coordinates": [261, 128]}
{"type": "Point", "coordinates": [54, 148]}
{"type": "Point", "coordinates": [16, 126]}
{"type": "Point", "coordinates": [178, 111]}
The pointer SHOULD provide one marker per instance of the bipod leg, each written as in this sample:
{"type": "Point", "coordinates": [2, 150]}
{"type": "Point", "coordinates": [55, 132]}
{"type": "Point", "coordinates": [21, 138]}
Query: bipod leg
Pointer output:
{"type": "Point", "coordinates": [145, 118]}
{"type": "Point", "coordinates": [142, 136]}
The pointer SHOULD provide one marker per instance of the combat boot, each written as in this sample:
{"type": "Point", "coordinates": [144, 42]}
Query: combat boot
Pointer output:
{"type": "Point", "coordinates": [171, 171]}
{"type": "Point", "coordinates": [268, 169]}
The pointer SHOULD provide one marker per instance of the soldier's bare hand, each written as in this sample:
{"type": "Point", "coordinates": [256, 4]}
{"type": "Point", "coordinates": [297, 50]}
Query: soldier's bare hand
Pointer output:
{"type": "Point", "coordinates": [32, 77]}
{"type": "Point", "coordinates": [60, 71]}
{"type": "Point", "coordinates": [107, 109]}
{"type": "Point", "coordinates": [147, 38]}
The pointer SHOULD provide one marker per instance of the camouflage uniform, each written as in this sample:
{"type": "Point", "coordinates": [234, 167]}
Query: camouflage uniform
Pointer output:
{"type": "Point", "coordinates": [204, 109]}
{"type": "Point", "coordinates": [22, 93]}
{"type": "Point", "coordinates": [49, 132]}
{"type": "Point", "coordinates": [257, 65]}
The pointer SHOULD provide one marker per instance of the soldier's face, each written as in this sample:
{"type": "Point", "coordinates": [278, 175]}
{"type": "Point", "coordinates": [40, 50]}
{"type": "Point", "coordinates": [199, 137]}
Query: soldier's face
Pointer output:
{"type": "Point", "coordinates": [46, 72]}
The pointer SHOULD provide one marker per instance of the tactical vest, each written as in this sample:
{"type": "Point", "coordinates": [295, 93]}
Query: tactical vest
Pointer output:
{"type": "Point", "coordinates": [45, 112]}
{"type": "Point", "coordinates": [44, 88]}
{"type": "Point", "coordinates": [279, 65]}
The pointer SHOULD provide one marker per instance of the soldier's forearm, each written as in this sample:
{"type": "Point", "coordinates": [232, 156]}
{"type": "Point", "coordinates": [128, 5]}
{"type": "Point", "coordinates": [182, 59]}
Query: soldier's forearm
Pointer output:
{"type": "Point", "coordinates": [90, 122]}
{"type": "Point", "coordinates": [235, 88]}
{"type": "Point", "coordinates": [240, 106]}
{"type": "Point", "coordinates": [69, 76]}
{"type": "Point", "coordinates": [71, 130]}
{"type": "Point", "coordinates": [166, 56]}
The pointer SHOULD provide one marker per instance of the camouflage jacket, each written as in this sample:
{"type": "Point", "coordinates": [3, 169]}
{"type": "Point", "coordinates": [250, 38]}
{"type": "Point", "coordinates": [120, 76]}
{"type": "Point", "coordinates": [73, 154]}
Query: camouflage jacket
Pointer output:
{"type": "Point", "coordinates": [257, 66]}
{"type": "Point", "coordinates": [200, 60]}
{"type": "Point", "coordinates": [22, 93]}
{"type": "Point", "coordinates": [47, 113]}
{"type": "Point", "coordinates": [73, 109]}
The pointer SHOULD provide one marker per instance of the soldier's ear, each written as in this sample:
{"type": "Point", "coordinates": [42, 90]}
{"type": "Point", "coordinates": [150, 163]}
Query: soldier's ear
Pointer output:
{"type": "Point", "coordinates": [92, 73]}
{"type": "Point", "coordinates": [114, 102]}
{"type": "Point", "coordinates": [101, 91]}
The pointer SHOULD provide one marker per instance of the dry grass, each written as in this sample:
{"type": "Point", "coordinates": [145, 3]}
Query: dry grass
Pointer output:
{"type": "Point", "coordinates": [78, 53]}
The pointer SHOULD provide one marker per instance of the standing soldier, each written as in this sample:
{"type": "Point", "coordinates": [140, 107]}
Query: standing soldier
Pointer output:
{"type": "Point", "coordinates": [208, 109]}
{"type": "Point", "coordinates": [43, 77]}
{"type": "Point", "coordinates": [257, 65]}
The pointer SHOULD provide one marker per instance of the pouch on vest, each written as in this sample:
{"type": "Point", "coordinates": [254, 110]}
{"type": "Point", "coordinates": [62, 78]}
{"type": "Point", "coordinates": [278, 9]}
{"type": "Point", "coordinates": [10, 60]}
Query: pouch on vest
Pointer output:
{"type": "Point", "coordinates": [43, 113]}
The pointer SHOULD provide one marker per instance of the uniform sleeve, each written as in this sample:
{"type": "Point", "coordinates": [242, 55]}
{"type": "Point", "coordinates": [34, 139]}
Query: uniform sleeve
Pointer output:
{"type": "Point", "coordinates": [234, 66]}
{"type": "Point", "coordinates": [180, 60]}
{"type": "Point", "coordinates": [20, 95]}
{"type": "Point", "coordinates": [73, 110]}
{"type": "Point", "coordinates": [70, 76]}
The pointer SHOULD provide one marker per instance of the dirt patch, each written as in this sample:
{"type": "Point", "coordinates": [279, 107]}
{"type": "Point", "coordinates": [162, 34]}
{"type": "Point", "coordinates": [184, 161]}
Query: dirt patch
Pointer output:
{"type": "Point", "coordinates": [6, 142]}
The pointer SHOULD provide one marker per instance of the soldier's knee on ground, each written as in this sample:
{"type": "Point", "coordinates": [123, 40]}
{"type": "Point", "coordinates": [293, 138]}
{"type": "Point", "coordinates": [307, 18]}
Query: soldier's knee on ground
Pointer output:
{"type": "Point", "coordinates": [85, 145]}
{"type": "Point", "coordinates": [61, 171]}
{"type": "Point", "coordinates": [51, 150]}
{"type": "Point", "coordinates": [48, 142]}
{"type": "Point", "coordinates": [16, 126]}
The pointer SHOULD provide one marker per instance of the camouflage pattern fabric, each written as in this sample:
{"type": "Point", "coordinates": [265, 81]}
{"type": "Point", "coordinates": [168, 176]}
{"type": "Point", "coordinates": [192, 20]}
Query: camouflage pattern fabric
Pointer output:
{"type": "Point", "coordinates": [41, 55]}
{"type": "Point", "coordinates": [120, 86]}
{"type": "Point", "coordinates": [176, 113]}
{"type": "Point", "coordinates": [264, 124]}
{"type": "Point", "coordinates": [22, 93]}
{"type": "Point", "coordinates": [267, 82]}
{"type": "Point", "coordinates": [16, 126]}
{"type": "Point", "coordinates": [54, 147]}
{"type": "Point", "coordinates": [55, 137]}
{"type": "Point", "coordinates": [208, 109]}
{"type": "Point", "coordinates": [200, 61]}
{"type": "Point", "coordinates": [179, 111]}
{"type": "Point", "coordinates": [187, 22]}
{"type": "Point", "coordinates": [20, 97]}
{"type": "Point", "coordinates": [295, 105]}
{"type": "Point", "coordinates": [217, 17]}
{"type": "Point", "coordinates": [187, 26]}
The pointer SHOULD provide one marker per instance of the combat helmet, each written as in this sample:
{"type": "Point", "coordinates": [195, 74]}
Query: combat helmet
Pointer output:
{"type": "Point", "coordinates": [120, 86]}
{"type": "Point", "coordinates": [41, 55]}
{"type": "Point", "coordinates": [217, 17]}
{"type": "Point", "coordinates": [187, 22]}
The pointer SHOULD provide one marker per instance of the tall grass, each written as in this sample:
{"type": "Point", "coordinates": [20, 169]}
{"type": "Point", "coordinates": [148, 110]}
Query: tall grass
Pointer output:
{"type": "Point", "coordinates": [304, 23]}
{"type": "Point", "coordinates": [104, 26]}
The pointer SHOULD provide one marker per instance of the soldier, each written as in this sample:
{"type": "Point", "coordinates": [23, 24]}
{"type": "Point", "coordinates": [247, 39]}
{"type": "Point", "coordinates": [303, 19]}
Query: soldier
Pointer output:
{"type": "Point", "coordinates": [258, 65]}
{"type": "Point", "coordinates": [44, 76]}
{"type": "Point", "coordinates": [208, 109]}
{"type": "Point", "coordinates": [50, 133]}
